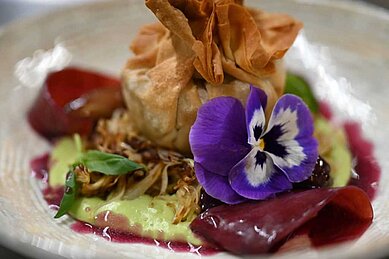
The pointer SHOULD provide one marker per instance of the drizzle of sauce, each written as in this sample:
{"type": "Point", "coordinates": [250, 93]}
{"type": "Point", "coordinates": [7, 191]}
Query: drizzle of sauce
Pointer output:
{"type": "Point", "coordinates": [53, 196]}
{"type": "Point", "coordinates": [366, 167]}
{"type": "Point", "coordinates": [120, 237]}
{"type": "Point", "coordinates": [39, 167]}
{"type": "Point", "coordinates": [319, 229]}
{"type": "Point", "coordinates": [321, 232]}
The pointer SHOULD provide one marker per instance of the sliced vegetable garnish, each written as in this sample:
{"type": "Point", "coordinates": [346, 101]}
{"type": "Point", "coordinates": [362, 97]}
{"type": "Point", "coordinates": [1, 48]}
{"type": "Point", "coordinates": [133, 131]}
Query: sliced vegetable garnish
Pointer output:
{"type": "Point", "coordinates": [75, 99]}
{"type": "Point", "coordinates": [108, 164]}
{"type": "Point", "coordinates": [69, 196]}
{"type": "Point", "coordinates": [327, 215]}
{"type": "Point", "coordinates": [298, 86]}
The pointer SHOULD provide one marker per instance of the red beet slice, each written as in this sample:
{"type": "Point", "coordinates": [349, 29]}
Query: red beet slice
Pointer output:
{"type": "Point", "coordinates": [260, 227]}
{"type": "Point", "coordinates": [71, 100]}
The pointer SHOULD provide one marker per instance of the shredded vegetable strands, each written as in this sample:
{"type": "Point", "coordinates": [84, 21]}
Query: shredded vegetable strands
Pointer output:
{"type": "Point", "coordinates": [165, 178]}
{"type": "Point", "coordinates": [170, 156]}
{"type": "Point", "coordinates": [103, 183]}
{"type": "Point", "coordinates": [119, 191]}
{"type": "Point", "coordinates": [188, 202]}
{"type": "Point", "coordinates": [142, 186]}
{"type": "Point", "coordinates": [168, 172]}
{"type": "Point", "coordinates": [188, 198]}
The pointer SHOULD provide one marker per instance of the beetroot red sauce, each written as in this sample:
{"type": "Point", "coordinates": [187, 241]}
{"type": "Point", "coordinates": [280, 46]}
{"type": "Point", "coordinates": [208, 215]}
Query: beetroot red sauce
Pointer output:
{"type": "Point", "coordinates": [362, 149]}
{"type": "Point", "coordinates": [39, 167]}
{"type": "Point", "coordinates": [53, 196]}
{"type": "Point", "coordinates": [366, 167]}
{"type": "Point", "coordinates": [115, 236]}
{"type": "Point", "coordinates": [320, 231]}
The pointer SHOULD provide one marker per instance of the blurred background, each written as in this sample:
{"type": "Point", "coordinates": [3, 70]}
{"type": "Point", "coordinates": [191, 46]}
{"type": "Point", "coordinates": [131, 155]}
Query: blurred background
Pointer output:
{"type": "Point", "coordinates": [11, 10]}
{"type": "Point", "coordinates": [15, 9]}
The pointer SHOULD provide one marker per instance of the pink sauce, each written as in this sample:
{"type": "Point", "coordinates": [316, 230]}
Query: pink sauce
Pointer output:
{"type": "Point", "coordinates": [39, 167]}
{"type": "Point", "coordinates": [120, 237]}
{"type": "Point", "coordinates": [366, 167]}
{"type": "Point", "coordinates": [321, 231]}
{"type": "Point", "coordinates": [53, 196]}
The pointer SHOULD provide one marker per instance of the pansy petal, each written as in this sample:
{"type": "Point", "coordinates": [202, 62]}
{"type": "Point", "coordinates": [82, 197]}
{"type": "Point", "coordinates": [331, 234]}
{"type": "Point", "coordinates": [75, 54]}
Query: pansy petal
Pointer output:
{"type": "Point", "coordinates": [255, 115]}
{"type": "Point", "coordinates": [256, 177]}
{"type": "Point", "coordinates": [218, 137]}
{"type": "Point", "coordinates": [217, 186]}
{"type": "Point", "coordinates": [289, 138]}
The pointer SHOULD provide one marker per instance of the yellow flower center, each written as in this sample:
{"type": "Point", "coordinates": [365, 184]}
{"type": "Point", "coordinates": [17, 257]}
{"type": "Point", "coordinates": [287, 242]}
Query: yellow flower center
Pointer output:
{"type": "Point", "coordinates": [261, 144]}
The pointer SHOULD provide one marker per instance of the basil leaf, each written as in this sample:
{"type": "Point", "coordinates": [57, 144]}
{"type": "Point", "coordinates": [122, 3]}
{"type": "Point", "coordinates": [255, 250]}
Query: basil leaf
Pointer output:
{"type": "Point", "coordinates": [298, 86]}
{"type": "Point", "coordinates": [69, 196]}
{"type": "Point", "coordinates": [108, 164]}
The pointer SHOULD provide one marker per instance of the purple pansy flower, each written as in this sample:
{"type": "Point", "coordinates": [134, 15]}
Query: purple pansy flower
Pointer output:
{"type": "Point", "coordinates": [238, 158]}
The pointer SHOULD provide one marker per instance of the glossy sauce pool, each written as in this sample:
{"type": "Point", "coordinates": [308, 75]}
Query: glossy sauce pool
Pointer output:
{"type": "Point", "coordinates": [320, 235]}
{"type": "Point", "coordinates": [53, 196]}
{"type": "Point", "coordinates": [366, 168]}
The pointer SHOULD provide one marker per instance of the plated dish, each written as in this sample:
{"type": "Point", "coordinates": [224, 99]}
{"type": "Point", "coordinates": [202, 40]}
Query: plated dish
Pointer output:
{"type": "Point", "coordinates": [86, 64]}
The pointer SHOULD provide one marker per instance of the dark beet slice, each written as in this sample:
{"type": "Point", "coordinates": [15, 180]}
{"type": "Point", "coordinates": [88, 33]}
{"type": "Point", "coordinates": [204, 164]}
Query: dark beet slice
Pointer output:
{"type": "Point", "coordinates": [71, 100]}
{"type": "Point", "coordinates": [262, 226]}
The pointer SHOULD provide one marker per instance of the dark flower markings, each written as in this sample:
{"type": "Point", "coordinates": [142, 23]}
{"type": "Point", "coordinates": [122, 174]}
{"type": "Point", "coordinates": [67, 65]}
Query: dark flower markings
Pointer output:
{"type": "Point", "coordinates": [260, 158]}
{"type": "Point", "coordinates": [257, 132]}
{"type": "Point", "coordinates": [272, 137]}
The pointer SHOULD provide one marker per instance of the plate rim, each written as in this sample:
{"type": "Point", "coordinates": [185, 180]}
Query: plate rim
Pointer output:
{"type": "Point", "coordinates": [28, 249]}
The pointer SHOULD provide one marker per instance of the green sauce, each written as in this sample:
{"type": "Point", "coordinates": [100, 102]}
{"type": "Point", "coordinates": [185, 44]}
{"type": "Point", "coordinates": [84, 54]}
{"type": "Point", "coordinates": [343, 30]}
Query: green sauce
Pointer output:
{"type": "Point", "coordinates": [62, 156]}
{"type": "Point", "coordinates": [147, 216]}
{"type": "Point", "coordinates": [333, 148]}
{"type": "Point", "coordinates": [152, 216]}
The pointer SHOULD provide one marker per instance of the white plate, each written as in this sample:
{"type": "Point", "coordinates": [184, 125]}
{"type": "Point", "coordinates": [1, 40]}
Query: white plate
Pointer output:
{"type": "Point", "coordinates": [348, 46]}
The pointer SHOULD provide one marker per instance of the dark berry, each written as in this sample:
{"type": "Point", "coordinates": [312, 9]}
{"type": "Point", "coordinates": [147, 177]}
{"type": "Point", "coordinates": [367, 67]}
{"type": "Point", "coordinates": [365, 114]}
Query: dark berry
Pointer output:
{"type": "Point", "coordinates": [207, 202]}
{"type": "Point", "coordinates": [320, 176]}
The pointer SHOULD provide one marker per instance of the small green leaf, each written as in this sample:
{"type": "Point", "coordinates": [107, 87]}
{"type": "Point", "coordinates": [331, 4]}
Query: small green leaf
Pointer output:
{"type": "Point", "coordinates": [69, 196]}
{"type": "Point", "coordinates": [298, 86]}
{"type": "Point", "coordinates": [108, 164]}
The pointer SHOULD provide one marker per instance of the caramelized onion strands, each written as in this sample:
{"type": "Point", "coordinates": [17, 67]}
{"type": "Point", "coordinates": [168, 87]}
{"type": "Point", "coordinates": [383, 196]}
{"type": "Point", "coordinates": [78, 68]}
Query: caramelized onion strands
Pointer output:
{"type": "Point", "coordinates": [142, 186]}
{"type": "Point", "coordinates": [165, 179]}
{"type": "Point", "coordinates": [168, 172]}
{"type": "Point", "coordinates": [188, 200]}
